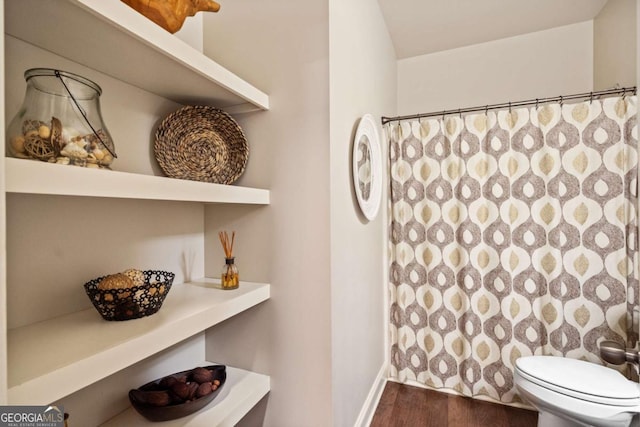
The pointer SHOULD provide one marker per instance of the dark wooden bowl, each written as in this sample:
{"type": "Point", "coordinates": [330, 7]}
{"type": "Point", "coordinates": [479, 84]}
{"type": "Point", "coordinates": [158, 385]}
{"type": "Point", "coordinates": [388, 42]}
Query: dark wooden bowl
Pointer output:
{"type": "Point", "coordinates": [173, 411]}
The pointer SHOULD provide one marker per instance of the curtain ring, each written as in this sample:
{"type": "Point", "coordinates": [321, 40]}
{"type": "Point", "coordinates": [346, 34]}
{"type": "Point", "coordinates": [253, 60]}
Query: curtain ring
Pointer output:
{"type": "Point", "coordinates": [624, 93]}
{"type": "Point", "coordinates": [443, 111]}
{"type": "Point", "coordinates": [537, 103]}
{"type": "Point", "coordinates": [459, 113]}
{"type": "Point", "coordinates": [509, 107]}
{"type": "Point", "coordinates": [486, 110]}
{"type": "Point", "coordinates": [591, 98]}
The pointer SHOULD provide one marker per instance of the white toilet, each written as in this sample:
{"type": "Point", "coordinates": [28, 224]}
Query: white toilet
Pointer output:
{"type": "Point", "coordinates": [570, 392]}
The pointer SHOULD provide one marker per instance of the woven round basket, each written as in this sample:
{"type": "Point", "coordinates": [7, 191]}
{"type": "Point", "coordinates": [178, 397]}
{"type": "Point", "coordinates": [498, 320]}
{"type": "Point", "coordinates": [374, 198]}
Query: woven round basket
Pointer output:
{"type": "Point", "coordinates": [201, 143]}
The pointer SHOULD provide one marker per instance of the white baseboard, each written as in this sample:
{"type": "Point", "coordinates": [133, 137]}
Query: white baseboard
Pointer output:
{"type": "Point", "coordinates": [371, 403]}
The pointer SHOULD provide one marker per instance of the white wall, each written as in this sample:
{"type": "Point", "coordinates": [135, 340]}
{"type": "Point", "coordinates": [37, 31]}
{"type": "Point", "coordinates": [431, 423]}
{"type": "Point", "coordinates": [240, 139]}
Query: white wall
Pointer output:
{"type": "Point", "coordinates": [282, 47]}
{"type": "Point", "coordinates": [192, 31]}
{"type": "Point", "coordinates": [362, 80]}
{"type": "Point", "coordinates": [615, 45]}
{"type": "Point", "coordinates": [547, 63]}
{"type": "Point", "coordinates": [3, 246]}
{"type": "Point", "coordinates": [321, 336]}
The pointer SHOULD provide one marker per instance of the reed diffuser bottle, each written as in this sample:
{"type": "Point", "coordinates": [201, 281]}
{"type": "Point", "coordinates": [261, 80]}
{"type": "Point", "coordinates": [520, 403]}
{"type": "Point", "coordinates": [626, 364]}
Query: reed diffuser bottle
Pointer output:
{"type": "Point", "coordinates": [229, 277]}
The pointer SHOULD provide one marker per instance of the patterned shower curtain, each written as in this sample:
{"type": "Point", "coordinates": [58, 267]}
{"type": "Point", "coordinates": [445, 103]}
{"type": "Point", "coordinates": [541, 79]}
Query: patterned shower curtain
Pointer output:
{"type": "Point", "coordinates": [512, 233]}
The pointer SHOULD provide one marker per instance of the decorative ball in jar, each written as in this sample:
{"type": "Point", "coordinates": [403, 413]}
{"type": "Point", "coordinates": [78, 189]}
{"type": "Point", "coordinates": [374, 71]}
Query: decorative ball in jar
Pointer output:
{"type": "Point", "coordinates": [60, 121]}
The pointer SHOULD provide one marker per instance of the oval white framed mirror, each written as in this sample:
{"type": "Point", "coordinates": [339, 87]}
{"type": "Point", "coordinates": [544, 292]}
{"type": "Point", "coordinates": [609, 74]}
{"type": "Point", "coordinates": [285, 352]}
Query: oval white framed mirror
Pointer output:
{"type": "Point", "coordinates": [367, 167]}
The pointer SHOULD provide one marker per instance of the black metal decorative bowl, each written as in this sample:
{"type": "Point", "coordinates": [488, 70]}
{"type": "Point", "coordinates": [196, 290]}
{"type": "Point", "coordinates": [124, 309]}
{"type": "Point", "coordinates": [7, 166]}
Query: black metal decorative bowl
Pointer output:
{"type": "Point", "coordinates": [159, 401]}
{"type": "Point", "coordinates": [131, 302]}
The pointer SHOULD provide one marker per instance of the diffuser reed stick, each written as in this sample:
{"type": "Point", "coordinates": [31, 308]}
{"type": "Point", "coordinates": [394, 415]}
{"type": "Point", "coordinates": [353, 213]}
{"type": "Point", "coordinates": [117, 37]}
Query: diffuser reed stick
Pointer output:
{"type": "Point", "coordinates": [227, 245]}
{"type": "Point", "coordinates": [229, 279]}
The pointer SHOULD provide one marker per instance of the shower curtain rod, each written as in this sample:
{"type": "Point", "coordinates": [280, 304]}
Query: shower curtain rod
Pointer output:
{"type": "Point", "coordinates": [537, 101]}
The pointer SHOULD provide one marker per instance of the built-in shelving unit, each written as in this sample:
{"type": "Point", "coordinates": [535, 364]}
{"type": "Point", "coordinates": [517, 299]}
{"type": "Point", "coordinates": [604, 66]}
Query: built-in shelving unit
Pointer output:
{"type": "Point", "coordinates": [241, 392]}
{"type": "Point", "coordinates": [82, 348]}
{"type": "Point", "coordinates": [52, 359]}
{"type": "Point", "coordinates": [34, 177]}
{"type": "Point", "coordinates": [114, 39]}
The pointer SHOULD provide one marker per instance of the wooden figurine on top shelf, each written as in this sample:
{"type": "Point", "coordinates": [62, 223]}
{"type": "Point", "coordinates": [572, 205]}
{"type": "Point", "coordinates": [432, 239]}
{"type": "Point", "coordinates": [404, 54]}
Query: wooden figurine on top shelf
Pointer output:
{"type": "Point", "coordinates": [170, 14]}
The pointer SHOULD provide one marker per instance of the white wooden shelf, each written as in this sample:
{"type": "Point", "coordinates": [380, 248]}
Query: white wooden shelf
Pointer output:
{"type": "Point", "coordinates": [34, 177]}
{"type": "Point", "coordinates": [242, 390]}
{"type": "Point", "coordinates": [82, 348]}
{"type": "Point", "coordinates": [109, 36]}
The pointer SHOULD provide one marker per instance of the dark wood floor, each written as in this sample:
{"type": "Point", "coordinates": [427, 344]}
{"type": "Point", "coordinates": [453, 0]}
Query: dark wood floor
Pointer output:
{"type": "Point", "coordinates": [403, 405]}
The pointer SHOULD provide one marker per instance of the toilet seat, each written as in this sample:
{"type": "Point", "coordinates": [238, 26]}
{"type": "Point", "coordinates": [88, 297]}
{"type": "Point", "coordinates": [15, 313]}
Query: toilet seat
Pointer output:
{"type": "Point", "coordinates": [576, 379]}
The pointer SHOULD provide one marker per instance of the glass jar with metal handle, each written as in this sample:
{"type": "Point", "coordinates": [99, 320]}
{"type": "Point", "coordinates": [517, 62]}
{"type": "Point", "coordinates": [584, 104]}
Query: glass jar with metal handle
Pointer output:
{"type": "Point", "coordinates": [60, 121]}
